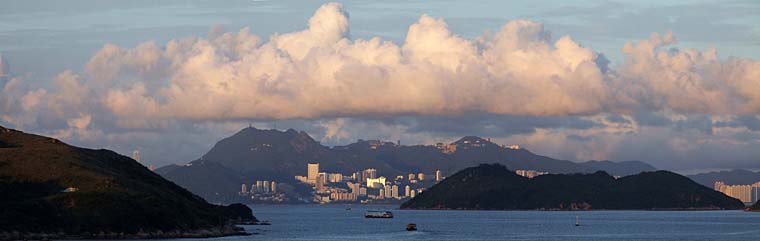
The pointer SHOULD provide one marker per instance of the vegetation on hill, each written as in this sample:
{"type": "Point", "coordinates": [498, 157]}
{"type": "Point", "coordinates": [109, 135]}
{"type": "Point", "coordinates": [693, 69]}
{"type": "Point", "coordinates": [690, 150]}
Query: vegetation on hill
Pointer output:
{"type": "Point", "coordinates": [494, 187]}
{"type": "Point", "coordinates": [50, 188]}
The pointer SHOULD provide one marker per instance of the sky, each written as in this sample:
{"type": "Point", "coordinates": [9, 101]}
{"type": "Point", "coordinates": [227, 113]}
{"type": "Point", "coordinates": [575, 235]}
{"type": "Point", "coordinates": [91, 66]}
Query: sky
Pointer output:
{"type": "Point", "coordinates": [673, 83]}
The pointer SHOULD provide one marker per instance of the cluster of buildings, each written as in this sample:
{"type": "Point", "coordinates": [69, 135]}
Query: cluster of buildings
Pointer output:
{"type": "Point", "coordinates": [364, 186]}
{"type": "Point", "coordinates": [745, 193]}
{"type": "Point", "coordinates": [468, 144]}
{"type": "Point", "coordinates": [265, 191]}
{"type": "Point", "coordinates": [530, 173]}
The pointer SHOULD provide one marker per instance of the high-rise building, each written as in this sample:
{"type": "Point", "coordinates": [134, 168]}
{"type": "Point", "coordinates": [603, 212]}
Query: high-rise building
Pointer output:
{"type": "Point", "coordinates": [407, 191]}
{"type": "Point", "coordinates": [375, 182]}
{"type": "Point", "coordinates": [438, 176]}
{"type": "Point", "coordinates": [321, 181]}
{"type": "Point", "coordinates": [274, 187]}
{"type": "Point", "coordinates": [394, 191]}
{"type": "Point", "coordinates": [136, 155]}
{"type": "Point", "coordinates": [745, 193]}
{"type": "Point", "coordinates": [412, 193]}
{"type": "Point", "coordinates": [411, 176]}
{"type": "Point", "coordinates": [312, 172]}
{"type": "Point", "coordinates": [388, 191]}
{"type": "Point", "coordinates": [334, 177]}
{"type": "Point", "coordinates": [243, 188]}
{"type": "Point", "coordinates": [259, 187]}
{"type": "Point", "coordinates": [421, 176]}
{"type": "Point", "coordinates": [382, 194]}
{"type": "Point", "coordinates": [369, 173]}
{"type": "Point", "coordinates": [354, 187]}
{"type": "Point", "coordinates": [266, 187]}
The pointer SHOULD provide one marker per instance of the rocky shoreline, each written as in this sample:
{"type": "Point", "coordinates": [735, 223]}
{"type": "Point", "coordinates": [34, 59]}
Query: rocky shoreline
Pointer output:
{"type": "Point", "coordinates": [203, 233]}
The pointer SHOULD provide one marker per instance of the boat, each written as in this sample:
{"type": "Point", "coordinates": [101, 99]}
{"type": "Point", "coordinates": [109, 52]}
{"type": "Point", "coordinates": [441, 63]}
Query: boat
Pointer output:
{"type": "Point", "coordinates": [378, 214]}
{"type": "Point", "coordinates": [411, 227]}
{"type": "Point", "coordinates": [577, 221]}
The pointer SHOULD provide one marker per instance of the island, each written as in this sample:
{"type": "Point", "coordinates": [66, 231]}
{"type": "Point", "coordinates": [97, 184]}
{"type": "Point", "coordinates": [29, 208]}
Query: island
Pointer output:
{"type": "Point", "coordinates": [51, 190]}
{"type": "Point", "coordinates": [494, 187]}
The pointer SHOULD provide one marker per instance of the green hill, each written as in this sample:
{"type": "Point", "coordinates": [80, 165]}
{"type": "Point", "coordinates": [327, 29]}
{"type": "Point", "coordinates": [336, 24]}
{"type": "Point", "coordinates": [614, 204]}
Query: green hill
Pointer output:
{"type": "Point", "coordinates": [48, 187]}
{"type": "Point", "coordinates": [493, 187]}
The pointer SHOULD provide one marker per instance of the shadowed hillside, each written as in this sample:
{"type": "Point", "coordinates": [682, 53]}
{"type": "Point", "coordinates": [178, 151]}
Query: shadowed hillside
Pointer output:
{"type": "Point", "coordinates": [495, 187]}
{"type": "Point", "coordinates": [53, 188]}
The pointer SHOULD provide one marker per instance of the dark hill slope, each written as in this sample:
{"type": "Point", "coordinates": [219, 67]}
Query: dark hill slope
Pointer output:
{"type": "Point", "coordinates": [624, 168]}
{"type": "Point", "coordinates": [110, 193]}
{"type": "Point", "coordinates": [495, 187]}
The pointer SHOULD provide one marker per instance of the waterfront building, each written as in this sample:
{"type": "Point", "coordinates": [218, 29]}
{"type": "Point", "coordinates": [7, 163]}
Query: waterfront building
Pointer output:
{"type": "Point", "coordinates": [745, 193]}
{"type": "Point", "coordinates": [369, 173]}
{"type": "Point", "coordinates": [266, 187]}
{"type": "Point", "coordinates": [274, 187]}
{"type": "Point", "coordinates": [394, 191]}
{"type": "Point", "coordinates": [376, 182]}
{"type": "Point", "coordinates": [312, 172]}
{"type": "Point", "coordinates": [334, 177]}
{"type": "Point", "coordinates": [259, 186]}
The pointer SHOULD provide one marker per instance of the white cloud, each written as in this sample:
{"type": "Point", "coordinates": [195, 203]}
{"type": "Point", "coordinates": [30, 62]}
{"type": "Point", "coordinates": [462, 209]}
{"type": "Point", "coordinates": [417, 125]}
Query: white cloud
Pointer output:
{"type": "Point", "coordinates": [323, 75]}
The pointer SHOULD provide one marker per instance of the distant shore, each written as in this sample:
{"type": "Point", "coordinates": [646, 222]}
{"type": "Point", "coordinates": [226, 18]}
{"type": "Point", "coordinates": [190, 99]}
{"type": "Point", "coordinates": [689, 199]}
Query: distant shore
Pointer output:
{"type": "Point", "coordinates": [204, 233]}
{"type": "Point", "coordinates": [560, 210]}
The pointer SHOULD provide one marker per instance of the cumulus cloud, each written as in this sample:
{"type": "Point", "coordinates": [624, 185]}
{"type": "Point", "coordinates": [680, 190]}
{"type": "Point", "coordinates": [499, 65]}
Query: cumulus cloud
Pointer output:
{"type": "Point", "coordinates": [517, 81]}
{"type": "Point", "coordinates": [321, 72]}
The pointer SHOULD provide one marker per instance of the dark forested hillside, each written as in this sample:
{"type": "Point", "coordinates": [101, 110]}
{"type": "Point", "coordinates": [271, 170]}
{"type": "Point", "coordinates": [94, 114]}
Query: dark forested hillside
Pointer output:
{"type": "Point", "coordinates": [495, 187]}
{"type": "Point", "coordinates": [48, 187]}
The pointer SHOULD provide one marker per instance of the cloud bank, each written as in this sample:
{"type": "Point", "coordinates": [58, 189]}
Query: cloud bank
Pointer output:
{"type": "Point", "coordinates": [511, 74]}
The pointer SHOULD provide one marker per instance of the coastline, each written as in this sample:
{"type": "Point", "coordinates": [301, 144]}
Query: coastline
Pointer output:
{"type": "Point", "coordinates": [201, 233]}
{"type": "Point", "coordinates": [571, 210]}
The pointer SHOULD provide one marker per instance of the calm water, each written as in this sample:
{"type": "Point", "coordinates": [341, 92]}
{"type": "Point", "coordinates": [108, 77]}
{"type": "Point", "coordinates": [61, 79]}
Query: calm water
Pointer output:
{"type": "Point", "coordinates": [334, 222]}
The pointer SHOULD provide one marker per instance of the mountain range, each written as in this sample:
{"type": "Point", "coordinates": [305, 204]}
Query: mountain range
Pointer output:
{"type": "Point", "coordinates": [255, 154]}
{"type": "Point", "coordinates": [494, 187]}
{"type": "Point", "coordinates": [732, 177]}
{"type": "Point", "coordinates": [53, 190]}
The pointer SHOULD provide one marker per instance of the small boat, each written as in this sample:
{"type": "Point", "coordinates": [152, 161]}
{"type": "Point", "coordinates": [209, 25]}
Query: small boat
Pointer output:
{"type": "Point", "coordinates": [378, 214]}
{"type": "Point", "coordinates": [577, 221]}
{"type": "Point", "coordinates": [411, 227]}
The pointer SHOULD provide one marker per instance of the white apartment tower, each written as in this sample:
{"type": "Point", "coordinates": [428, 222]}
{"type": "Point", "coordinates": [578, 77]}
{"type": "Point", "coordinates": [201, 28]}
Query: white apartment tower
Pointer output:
{"type": "Point", "coordinates": [313, 172]}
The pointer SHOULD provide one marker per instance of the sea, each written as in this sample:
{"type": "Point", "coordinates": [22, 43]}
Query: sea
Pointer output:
{"type": "Point", "coordinates": [347, 222]}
